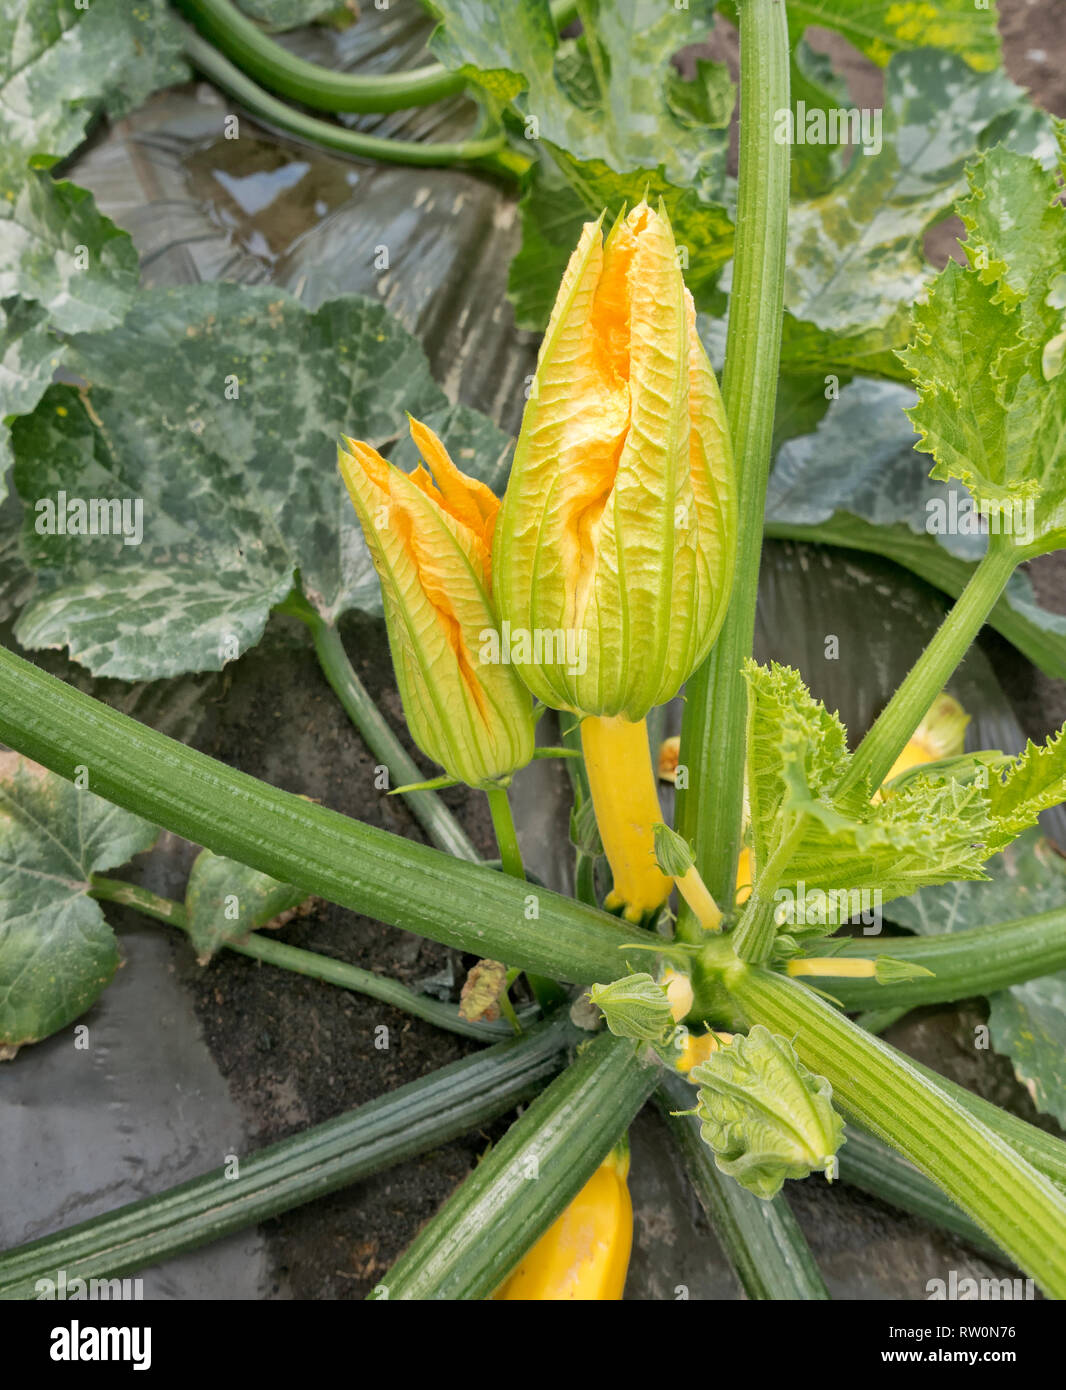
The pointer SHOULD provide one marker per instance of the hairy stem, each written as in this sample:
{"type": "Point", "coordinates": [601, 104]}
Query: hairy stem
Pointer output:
{"type": "Point", "coordinates": [296, 841]}
{"type": "Point", "coordinates": [879, 1089]}
{"type": "Point", "coordinates": [712, 730]}
{"type": "Point", "coordinates": [308, 963]}
{"type": "Point", "coordinates": [905, 711]}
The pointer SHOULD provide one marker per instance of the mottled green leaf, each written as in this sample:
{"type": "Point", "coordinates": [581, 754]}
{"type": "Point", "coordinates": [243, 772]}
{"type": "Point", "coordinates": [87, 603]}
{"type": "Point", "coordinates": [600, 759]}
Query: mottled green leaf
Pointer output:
{"type": "Point", "coordinates": [224, 901]}
{"type": "Point", "coordinates": [991, 399]}
{"type": "Point", "coordinates": [857, 481]}
{"type": "Point", "coordinates": [764, 1115]}
{"type": "Point", "coordinates": [29, 355]}
{"type": "Point", "coordinates": [61, 63]}
{"type": "Point", "coordinates": [218, 407]}
{"type": "Point", "coordinates": [886, 27]}
{"type": "Point", "coordinates": [57, 952]}
{"type": "Point", "coordinates": [1028, 1024]}
{"type": "Point", "coordinates": [855, 259]}
{"type": "Point", "coordinates": [613, 116]}
{"type": "Point", "coordinates": [57, 249]}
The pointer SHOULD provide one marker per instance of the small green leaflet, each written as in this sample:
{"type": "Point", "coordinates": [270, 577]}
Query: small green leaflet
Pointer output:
{"type": "Point", "coordinates": [224, 901]}
{"type": "Point", "coordinates": [986, 353]}
{"type": "Point", "coordinates": [57, 952]}
{"type": "Point", "coordinates": [932, 829]}
{"type": "Point", "coordinates": [765, 1116]}
{"type": "Point", "coordinates": [217, 408]}
{"type": "Point", "coordinates": [1027, 1022]}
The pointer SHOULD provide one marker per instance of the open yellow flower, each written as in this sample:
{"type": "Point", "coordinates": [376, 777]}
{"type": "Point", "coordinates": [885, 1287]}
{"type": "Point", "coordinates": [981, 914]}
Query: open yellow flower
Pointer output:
{"type": "Point", "coordinates": [430, 536]}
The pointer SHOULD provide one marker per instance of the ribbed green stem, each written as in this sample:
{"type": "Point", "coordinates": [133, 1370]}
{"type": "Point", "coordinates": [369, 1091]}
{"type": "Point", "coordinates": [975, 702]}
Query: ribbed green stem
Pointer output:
{"type": "Point", "coordinates": [324, 89]}
{"type": "Point", "coordinates": [871, 1166]}
{"type": "Point", "coordinates": [980, 960]}
{"type": "Point", "coordinates": [411, 1120]}
{"type": "Point", "coordinates": [713, 727]}
{"type": "Point", "coordinates": [265, 107]}
{"type": "Point", "coordinates": [904, 712]}
{"type": "Point", "coordinates": [525, 1180]}
{"type": "Point", "coordinates": [296, 841]}
{"type": "Point", "coordinates": [310, 964]}
{"type": "Point", "coordinates": [761, 1240]}
{"type": "Point", "coordinates": [436, 820]}
{"type": "Point", "coordinates": [883, 1092]}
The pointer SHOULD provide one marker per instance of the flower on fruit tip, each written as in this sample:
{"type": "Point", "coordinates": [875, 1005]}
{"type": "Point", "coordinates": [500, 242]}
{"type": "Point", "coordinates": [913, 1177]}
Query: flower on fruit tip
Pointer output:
{"type": "Point", "coordinates": [430, 533]}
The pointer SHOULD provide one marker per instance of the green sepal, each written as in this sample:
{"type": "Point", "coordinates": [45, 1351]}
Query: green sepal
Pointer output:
{"type": "Point", "coordinates": [764, 1115]}
{"type": "Point", "coordinates": [635, 1007]}
{"type": "Point", "coordinates": [673, 853]}
{"type": "Point", "coordinates": [888, 971]}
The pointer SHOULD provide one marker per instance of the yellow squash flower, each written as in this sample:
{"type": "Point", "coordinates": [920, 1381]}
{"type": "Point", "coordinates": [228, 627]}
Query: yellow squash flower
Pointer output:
{"type": "Point", "coordinates": [618, 528]}
{"type": "Point", "coordinates": [616, 542]}
{"type": "Point", "coordinates": [584, 1255]}
{"type": "Point", "coordinates": [430, 536]}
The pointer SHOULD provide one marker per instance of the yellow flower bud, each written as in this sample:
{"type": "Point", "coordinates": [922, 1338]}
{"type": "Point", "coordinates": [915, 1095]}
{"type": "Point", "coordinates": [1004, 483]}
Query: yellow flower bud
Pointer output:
{"type": "Point", "coordinates": [430, 537]}
{"type": "Point", "coordinates": [618, 532]}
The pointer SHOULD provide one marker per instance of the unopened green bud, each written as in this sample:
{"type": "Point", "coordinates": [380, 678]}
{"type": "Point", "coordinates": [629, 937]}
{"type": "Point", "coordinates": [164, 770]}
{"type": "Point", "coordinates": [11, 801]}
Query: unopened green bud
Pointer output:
{"type": "Point", "coordinates": [635, 1007]}
{"type": "Point", "coordinates": [888, 971]}
{"type": "Point", "coordinates": [765, 1116]}
{"type": "Point", "coordinates": [673, 854]}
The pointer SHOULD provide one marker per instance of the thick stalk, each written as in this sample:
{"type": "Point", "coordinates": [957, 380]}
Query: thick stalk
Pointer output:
{"type": "Point", "coordinates": [930, 673]}
{"type": "Point", "coordinates": [871, 1166]}
{"type": "Point", "coordinates": [980, 960]}
{"type": "Point", "coordinates": [434, 817]}
{"type": "Point", "coordinates": [625, 796]}
{"type": "Point", "coordinates": [525, 1180]}
{"type": "Point", "coordinates": [713, 727]}
{"type": "Point", "coordinates": [296, 841]}
{"type": "Point", "coordinates": [307, 963]}
{"type": "Point", "coordinates": [761, 1240]}
{"type": "Point", "coordinates": [411, 1120]}
{"type": "Point", "coordinates": [879, 1089]}
{"type": "Point", "coordinates": [489, 150]}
